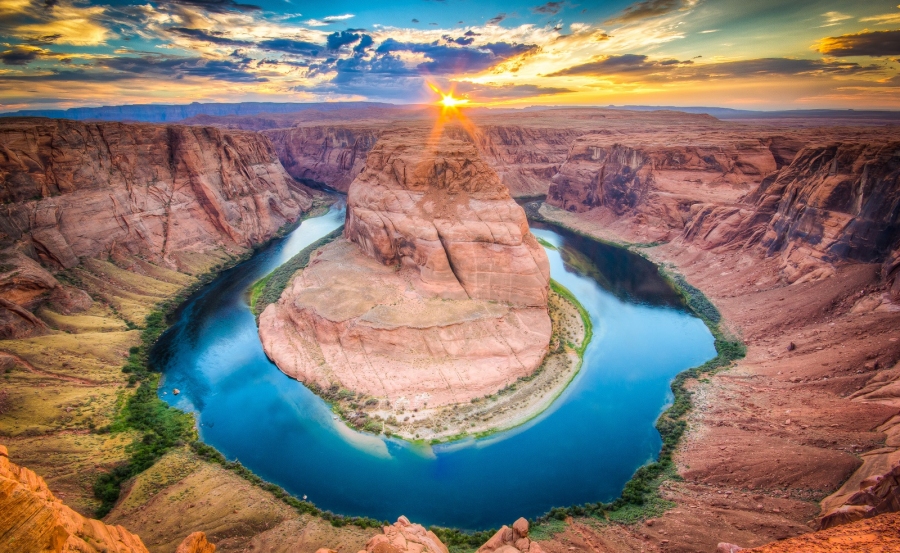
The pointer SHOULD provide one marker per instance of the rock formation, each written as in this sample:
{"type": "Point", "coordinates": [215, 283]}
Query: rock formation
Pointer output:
{"type": "Point", "coordinates": [511, 540]}
{"type": "Point", "coordinates": [73, 190]}
{"type": "Point", "coordinates": [33, 519]}
{"type": "Point", "coordinates": [405, 537]}
{"type": "Point", "coordinates": [330, 155]}
{"type": "Point", "coordinates": [877, 495]}
{"type": "Point", "coordinates": [832, 203]}
{"type": "Point", "coordinates": [437, 295]}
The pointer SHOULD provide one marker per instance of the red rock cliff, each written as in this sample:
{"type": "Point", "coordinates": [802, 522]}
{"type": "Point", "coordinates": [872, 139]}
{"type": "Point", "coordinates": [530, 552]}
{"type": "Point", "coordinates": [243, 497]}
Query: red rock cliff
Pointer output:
{"type": "Point", "coordinates": [74, 189]}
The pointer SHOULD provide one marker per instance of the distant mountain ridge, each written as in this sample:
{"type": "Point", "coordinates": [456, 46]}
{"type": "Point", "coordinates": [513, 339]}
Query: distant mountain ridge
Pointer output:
{"type": "Point", "coordinates": [167, 113]}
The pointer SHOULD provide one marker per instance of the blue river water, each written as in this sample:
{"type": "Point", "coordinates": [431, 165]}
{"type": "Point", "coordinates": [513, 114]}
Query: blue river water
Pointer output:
{"type": "Point", "coordinates": [584, 448]}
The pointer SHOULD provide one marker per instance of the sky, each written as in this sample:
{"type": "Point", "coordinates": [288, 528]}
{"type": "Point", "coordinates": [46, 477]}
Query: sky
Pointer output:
{"type": "Point", "coordinates": [747, 54]}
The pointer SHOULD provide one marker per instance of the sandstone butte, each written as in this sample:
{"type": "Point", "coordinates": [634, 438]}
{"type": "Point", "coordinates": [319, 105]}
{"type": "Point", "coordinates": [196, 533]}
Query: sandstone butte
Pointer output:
{"type": "Point", "coordinates": [166, 193]}
{"type": "Point", "coordinates": [436, 294]}
{"type": "Point", "coordinates": [32, 519]}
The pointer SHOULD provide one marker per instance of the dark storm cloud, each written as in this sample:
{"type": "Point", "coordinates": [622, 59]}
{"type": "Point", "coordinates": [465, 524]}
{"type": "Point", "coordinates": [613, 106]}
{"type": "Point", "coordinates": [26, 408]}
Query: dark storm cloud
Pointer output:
{"type": "Point", "coordinates": [215, 38]}
{"type": "Point", "coordinates": [550, 8]}
{"type": "Point", "coordinates": [216, 6]}
{"type": "Point", "coordinates": [646, 9]}
{"type": "Point", "coordinates": [340, 38]}
{"type": "Point", "coordinates": [877, 43]}
{"type": "Point", "coordinates": [223, 70]}
{"type": "Point", "coordinates": [671, 69]}
{"type": "Point", "coordinates": [448, 59]}
{"type": "Point", "coordinates": [18, 56]}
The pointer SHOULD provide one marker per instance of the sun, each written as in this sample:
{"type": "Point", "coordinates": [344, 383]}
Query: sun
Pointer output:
{"type": "Point", "coordinates": [449, 101]}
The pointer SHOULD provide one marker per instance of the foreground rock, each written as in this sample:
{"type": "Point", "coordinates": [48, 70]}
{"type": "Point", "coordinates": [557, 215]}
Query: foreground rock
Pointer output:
{"type": "Point", "coordinates": [437, 294]}
{"type": "Point", "coordinates": [33, 519]}
{"type": "Point", "coordinates": [511, 540]}
{"type": "Point", "coordinates": [405, 537]}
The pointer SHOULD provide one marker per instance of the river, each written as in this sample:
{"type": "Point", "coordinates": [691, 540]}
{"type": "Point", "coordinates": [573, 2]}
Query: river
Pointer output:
{"type": "Point", "coordinates": [582, 449]}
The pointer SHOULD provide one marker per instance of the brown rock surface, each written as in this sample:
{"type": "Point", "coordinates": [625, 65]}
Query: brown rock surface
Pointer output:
{"type": "Point", "coordinates": [33, 519]}
{"type": "Point", "coordinates": [196, 543]}
{"type": "Point", "coordinates": [405, 537]}
{"type": "Point", "coordinates": [511, 540]}
{"type": "Point", "coordinates": [330, 155]}
{"type": "Point", "coordinates": [371, 313]}
{"type": "Point", "coordinates": [81, 189]}
{"type": "Point", "coordinates": [875, 535]}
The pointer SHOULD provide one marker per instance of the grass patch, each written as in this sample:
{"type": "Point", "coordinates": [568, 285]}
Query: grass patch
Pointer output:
{"type": "Point", "coordinates": [585, 317]}
{"type": "Point", "coordinates": [269, 288]}
{"type": "Point", "coordinates": [546, 244]}
{"type": "Point", "coordinates": [458, 541]}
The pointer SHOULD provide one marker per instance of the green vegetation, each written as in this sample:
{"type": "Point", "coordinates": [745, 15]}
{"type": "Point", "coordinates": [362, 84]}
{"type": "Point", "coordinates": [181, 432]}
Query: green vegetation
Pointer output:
{"type": "Point", "coordinates": [585, 317]}
{"type": "Point", "coordinates": [269, 288]}
{"type": "Point", "coordinates": [458, 541]}
{"type": "Point", "coordinates": [546, 244]}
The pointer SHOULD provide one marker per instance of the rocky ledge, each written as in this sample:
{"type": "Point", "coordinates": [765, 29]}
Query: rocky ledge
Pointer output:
{"type": "Point", "coordinates": [436, 294]}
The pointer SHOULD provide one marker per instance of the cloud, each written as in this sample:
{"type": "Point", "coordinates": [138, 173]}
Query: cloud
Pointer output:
{"type": "Point", "coordinates": [488, 91]}
{"type": "Point", "coordinates": [550, 8]}
{"type": "Point", "coordinates": [834, 18]}
{"type": "Point", "coordinates": [365, 43]}
{"type": "Point", "coordinates": [214, 6]}
{"type": "Point", "coordinates": [214, 37]}
{"type": "Point", "coordinates": [875, 44]}
{"type": "Point", "coordinates": [497, 19]}
{"type": "Point", "coordinates": [334, 18]}
{"type": "Point", "coordinates": [328, 20]}
{"type": "Point", "coordinates": [341, 38]}
{"type": "Point", "coordinates": [19, 56]}
{"type": "Point", "coordinates": [672, 69]}
{"type": "Point", "coordinates": [289, 46]}
{"type": "Point", "coordinates": [448, 59]}
{"type": "Point", "coordinates": [883, 19]}
{"type": "Point", "coordinates": [179, 67]}
{"type": "Point", "coordinates": [647, 9]}
{"type": "Point", "coordinates": [617, 64]}
{"type": "Point", "coordinates": [462, 41]}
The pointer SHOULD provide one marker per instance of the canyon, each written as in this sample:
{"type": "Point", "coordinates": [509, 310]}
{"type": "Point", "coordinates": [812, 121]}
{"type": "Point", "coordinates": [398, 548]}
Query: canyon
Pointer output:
{"type": "Point", "coordinates": [790, 228]}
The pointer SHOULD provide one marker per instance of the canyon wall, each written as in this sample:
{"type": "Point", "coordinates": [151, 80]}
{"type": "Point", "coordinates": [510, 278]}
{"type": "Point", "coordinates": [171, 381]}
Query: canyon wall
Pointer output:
{"type": "Point", "coordinates": [330, 155]}
{"type": "Point", "coordinates": [525, 158]}
{"type": "Point", "coordinates": [813, 205]}
{"type": "Point", "coordinates": [438, 293]}
{"type": "Point", "coordinates": [165, 193]}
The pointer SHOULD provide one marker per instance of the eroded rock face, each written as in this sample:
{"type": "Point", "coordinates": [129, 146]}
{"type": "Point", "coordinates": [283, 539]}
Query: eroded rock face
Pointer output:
{"type": "Point", "coordinates": [877, 495]}
{"type": "Point", "coordinates": [330, 155]}
{"type": "Point", "coordinates": [602, 172]}
{"type": "Point", "coordinates": [447, 214]}
{"type": "Point", "coordinates": [832, 203]}
{"type": "Point", "coordinates": [33, 519]}
{"type": "Point", "coordinates": [405, 537]}
{"type": "Point", "coordinates": [438, 293]}
{"type": "Point", "coordinates": [77, 189]}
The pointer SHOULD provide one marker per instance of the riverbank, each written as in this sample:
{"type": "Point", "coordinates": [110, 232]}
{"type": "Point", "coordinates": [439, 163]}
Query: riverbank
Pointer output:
{"type": "Point", "coordinates": [765, 441]}
{"type": "Point", "coordinates": [515, 404]}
